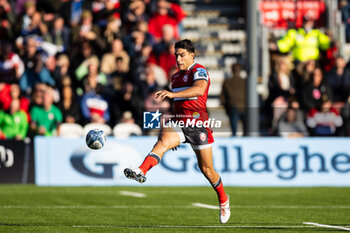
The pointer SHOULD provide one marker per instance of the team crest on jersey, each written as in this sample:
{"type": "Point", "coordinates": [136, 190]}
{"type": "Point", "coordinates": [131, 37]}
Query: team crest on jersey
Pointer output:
{"type": "Point", "coordinates": [202, 137]}
{"type": "Point", "coordinates": [185, 78]}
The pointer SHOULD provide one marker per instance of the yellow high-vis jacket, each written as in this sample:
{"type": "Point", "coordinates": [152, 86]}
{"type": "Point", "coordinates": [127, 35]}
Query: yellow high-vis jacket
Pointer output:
{"type": "Point", "coordinates": [304, 46]}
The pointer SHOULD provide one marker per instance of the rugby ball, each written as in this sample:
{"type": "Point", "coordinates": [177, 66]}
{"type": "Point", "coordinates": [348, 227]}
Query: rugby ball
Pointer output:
{"type": "Point", "coordinates": [95, 139]}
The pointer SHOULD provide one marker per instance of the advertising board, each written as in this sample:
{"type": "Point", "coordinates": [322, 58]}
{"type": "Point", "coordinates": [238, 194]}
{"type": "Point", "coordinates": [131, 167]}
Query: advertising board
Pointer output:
{"type": "Point", "coordinates": [239, 161]}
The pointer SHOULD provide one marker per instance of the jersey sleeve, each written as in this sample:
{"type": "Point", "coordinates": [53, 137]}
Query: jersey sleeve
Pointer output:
{"type": "Point", "coordinates": [200, 74]}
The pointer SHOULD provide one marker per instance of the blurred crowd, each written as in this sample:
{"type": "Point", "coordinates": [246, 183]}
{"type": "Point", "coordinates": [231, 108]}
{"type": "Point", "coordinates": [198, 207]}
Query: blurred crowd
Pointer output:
{"type": "Point", "coordinates": [100, 61]}
{"type": "Point", "coordinates": [308, 87]}
{"type": "Point", "coordinates": [83, 61]}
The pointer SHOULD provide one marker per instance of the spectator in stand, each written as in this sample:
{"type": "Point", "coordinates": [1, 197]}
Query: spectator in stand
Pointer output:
{"type": "Point", "coordinates": [289, 125]}
{"type": "Point", "coordinates": [109, 60]}
{"type": "Point", "coordinates": [37, 95]}
{"type": "Point", "coordinates": [112, 31]}
{"type": "Point", "coordinates": [94, 106]}
{"type": "Point", "coordinates": [339, 81]}
{"type": "Point", "coordinates": [233, 98]}
{"type": "Point", "coordinates": [45, 119]}
{"type": "Point", "coordinates": [15, 93]}
{"type": "Point", "coordinates": [87, 31]}
{"type": "Point", "coordinates": [138, 63]}
{"type": "Point", "coordinates": [59, 34]}
{"type": "Point", "coordinates": [303, 75]}
{"type": "Point", "coordinates": [150, 84]}
{"type": "Point", "coordinates": [168, 38]}
{"type": "Point", "coordinates": [167, 13]}
{"type": "Point", "coordinates": [69, 105]}
{"type": "Point", "coordinates": [6, 20]}
{"type": "Point", "coordinates": [62, 69]}
{"type": "Point", "coordinates": [104, 9]}
{"type": "Point", "coordinates": [50, 63]}
{"type": "Point", "coordinates": [134, 42]}
{"type": "Point", "coordinates": [128, 99]}
{"type": "Point", "coordinates": [135, 13]}
{"type": "Point", "coordinates": [80, 57]}
{"type": "Point", "coordinates": [11, 65]}
{"type": "Point", "coordinates": [314, 91]}
{"type": "Point", "coordinates": [14, 122]}
{"type": "Point", "coordinates": [31, 23]}
{"type": "Point", "coordinates": [118, 77]}
{"type": "Point", "coordinates": [91, 68]}
{"type": "Point", "coordinates": [164, 51]}
{"type": "Point", "coordinates": [324, 120]}
{"type": "Point", "coordinates": [281, 88]}
{"type": "Point", "coordinates": [35, 70]}
{"type": "Point", "coordinates": [142, 26]}
{"type": "Point", "coordinates": [24, 20]}
{"type": "Point", "coordinates": [72, 11]}
{"type": "Point", "coordinates": [305, 43]}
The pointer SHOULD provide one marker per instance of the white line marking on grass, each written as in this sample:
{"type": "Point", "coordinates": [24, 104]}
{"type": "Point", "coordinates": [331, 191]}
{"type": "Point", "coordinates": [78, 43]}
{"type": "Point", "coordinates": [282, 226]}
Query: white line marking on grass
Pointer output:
{"type": "Point", "coordinates": [194, 205]}
{"type": "Point", "coordinates": [326, 226]}
{"type": "Point", "coordinates": [290, 207]}
{"type": "Point", "coordinates": [88, 207]}
{"type": "Point", "coordinates": [218, 226]}
{"type": "Point", "coordinates": [206, 206]}
{"type": "Point", "coordinates": [132, 194]}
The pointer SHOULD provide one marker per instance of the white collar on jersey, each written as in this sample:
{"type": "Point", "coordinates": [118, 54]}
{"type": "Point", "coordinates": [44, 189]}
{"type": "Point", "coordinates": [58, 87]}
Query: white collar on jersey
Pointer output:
{"type": "Point", "coordinates": [190, 67]}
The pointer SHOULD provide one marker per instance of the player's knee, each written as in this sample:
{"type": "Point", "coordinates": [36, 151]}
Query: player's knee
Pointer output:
{"type": "Point", "coordinates": [164, 144]}
{"type": "Point", "coordinates": [207, 171]}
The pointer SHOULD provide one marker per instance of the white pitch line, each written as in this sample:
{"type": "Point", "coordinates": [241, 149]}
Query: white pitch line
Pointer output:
{"type": "Point", "coordinates": [89, 207]}
{"type": "Point", "coordinates": [179, 226]}
{"type": "Point", "coordinates": [194, 205]}
{"type": "Point", "coordinates": [326, 226]}
{"type": "Point", "coordinates": [206, 206]}
{"type": "Point", "coordinates": [132, 194]}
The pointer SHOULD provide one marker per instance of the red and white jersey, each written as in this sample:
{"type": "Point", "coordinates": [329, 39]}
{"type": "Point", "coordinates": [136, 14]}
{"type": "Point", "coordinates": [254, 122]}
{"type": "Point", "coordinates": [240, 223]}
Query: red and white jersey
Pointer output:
{"type": "Point", "coordinates": [195, 106]}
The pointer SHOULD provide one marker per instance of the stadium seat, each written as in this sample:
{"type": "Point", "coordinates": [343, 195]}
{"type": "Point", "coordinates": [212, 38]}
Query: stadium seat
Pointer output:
{"type": "Point", "coordinates": [124, 130]}
{"type": "Point", "coordinates": [105, 128]}
{"type": "Point", "coordinates": [70, 130]}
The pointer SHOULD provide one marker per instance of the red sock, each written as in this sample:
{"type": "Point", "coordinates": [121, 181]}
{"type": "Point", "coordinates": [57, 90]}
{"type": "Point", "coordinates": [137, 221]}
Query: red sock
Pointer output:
{"type": "Point", "coordinates": [150, 161]}
{"type": "Point", "coordinates": [219, 188]}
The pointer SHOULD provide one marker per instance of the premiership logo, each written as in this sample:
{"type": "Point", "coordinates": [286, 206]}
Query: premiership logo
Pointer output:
{"type": "Point", "coordinates": [151, 120]}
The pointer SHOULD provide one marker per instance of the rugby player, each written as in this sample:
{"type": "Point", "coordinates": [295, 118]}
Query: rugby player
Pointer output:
{"type": "Point", "coordinates": [189, 87]}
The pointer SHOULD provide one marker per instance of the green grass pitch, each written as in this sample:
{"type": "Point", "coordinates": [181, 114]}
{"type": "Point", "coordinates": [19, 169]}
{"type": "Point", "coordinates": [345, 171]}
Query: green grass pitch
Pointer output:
{"type": "Point", "coordinates": [28, 208]}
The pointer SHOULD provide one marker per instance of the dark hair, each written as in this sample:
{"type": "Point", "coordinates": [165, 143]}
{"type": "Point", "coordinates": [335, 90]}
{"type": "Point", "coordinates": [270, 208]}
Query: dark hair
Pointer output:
{"type": "Point", "coordinates": [185, 44]}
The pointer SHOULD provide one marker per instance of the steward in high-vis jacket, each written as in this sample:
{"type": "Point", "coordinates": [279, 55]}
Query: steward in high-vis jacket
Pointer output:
{"type": "Point", "coordinates": [304, 43]}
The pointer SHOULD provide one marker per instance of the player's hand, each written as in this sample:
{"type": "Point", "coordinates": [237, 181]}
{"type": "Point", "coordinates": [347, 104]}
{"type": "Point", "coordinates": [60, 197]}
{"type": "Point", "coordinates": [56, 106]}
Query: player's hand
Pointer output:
{"type": "Point", "coordinates": [163, 94]}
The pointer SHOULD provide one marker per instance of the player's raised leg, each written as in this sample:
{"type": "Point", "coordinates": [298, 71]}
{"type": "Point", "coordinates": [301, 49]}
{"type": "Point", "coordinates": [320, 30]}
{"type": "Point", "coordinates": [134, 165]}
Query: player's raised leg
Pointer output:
{"type": "Point", "coordinates": [205, 163]}
{"type": "Point", "coordinates": [168, 139]}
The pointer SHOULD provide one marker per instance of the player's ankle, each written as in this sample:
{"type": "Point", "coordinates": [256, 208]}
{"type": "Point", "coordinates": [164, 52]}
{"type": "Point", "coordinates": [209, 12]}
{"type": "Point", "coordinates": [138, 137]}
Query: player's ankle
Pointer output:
{"type": "Point", "coordinates": [223, 200]}
{"type": "Point", "coordinates": [140, 169]}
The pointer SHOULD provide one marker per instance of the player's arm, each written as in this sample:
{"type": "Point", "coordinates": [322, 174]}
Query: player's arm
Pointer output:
{"type": "Point", "coordinates": [198, 89]}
